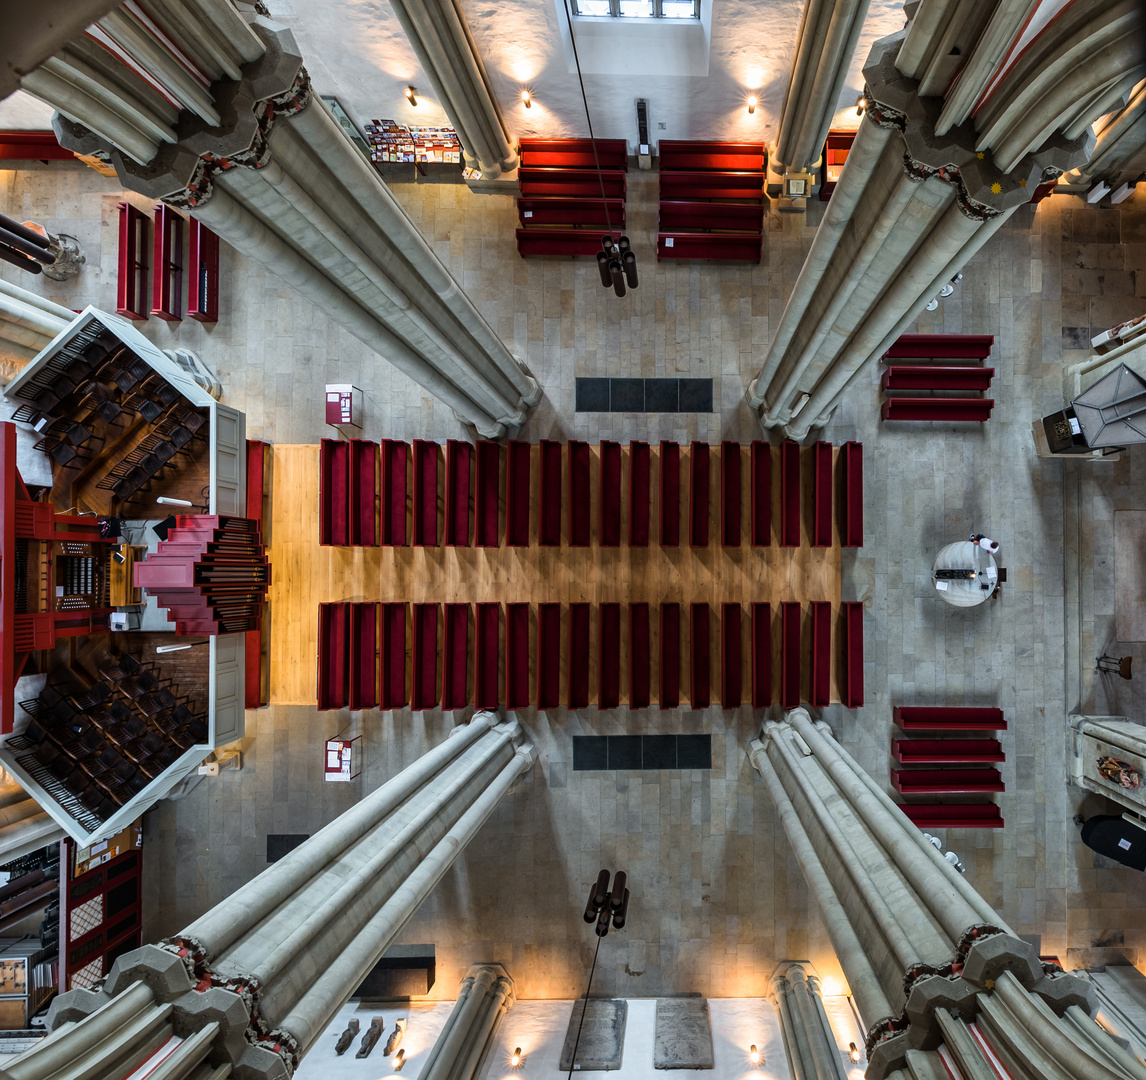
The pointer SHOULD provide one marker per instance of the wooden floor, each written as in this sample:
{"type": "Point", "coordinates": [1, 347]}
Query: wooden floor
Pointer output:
{"type": "Point", "coordinates": [303, 574]}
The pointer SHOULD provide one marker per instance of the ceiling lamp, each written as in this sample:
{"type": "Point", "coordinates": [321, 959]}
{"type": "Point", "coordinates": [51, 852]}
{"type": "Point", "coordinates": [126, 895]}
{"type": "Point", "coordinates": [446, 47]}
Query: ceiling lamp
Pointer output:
{"type": "Point", "coordinates": [411, 95]}
{"type": "Point", "coordinates": [616, 261]}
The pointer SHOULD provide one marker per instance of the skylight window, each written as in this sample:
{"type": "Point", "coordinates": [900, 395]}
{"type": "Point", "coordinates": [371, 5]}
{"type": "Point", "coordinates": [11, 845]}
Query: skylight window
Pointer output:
{"type": "Point", "coordinates": [638, 9]}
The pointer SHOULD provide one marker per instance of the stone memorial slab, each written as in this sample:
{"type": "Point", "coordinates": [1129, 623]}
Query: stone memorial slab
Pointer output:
{"type": "Point", "coordinates": [602, 1035]}
{"type": "Point", "coordinates": [683, 1038]}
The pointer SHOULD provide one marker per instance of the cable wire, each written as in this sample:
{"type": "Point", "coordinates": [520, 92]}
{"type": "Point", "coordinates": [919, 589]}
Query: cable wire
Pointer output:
{"type": "Point", "coordinates": [585, 1007]}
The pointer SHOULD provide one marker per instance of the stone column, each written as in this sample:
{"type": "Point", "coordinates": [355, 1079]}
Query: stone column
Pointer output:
{"type": "Point", "coordinates": [941, 160]}
{"type": "Point", "coordinates": [486, 994]}
{"type": "Point", "coordinates": [809, 1044]}
{"type": "Point", "coordinates": [262, 162]}
{"type": "Point", "coordinates": [923, 953]}
{"type": "Point", "coordinates": [825, 42]}
{"type": "Point", "coordinates": [445, 48]}
{"type": "Point", "coordinates": [27, 324]}
{"type": "Point", "coordinates": [1120, 150]}
{"type": "Point", "coordinates": [252, 984]}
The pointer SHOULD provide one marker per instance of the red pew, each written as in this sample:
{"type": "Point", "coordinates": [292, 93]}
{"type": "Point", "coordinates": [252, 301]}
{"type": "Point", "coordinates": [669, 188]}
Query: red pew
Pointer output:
{"type": "Point", "coordinates": [734, 246]}
{"type": "Point", "coordinates": [851, 682]}
{"type": "Point", "coordinates": [517, 494]}
{"type": "Point", "coordinates": [395, 492]}
{"type": "Point", "coordinates": [953, 815]}
{"type": "Point", "coordinates": [669, 697]}
{"type": "Point", "coordinates": [790, 655]}
{"type": "Point", "coordinates": [392, 658]}
{"type": "Point", "coordinates": [723, 184]}
{"type": "Point", "coordinates": [609, 657]}
{"type": "Point", "coordinates": [609, 527]}
{"type": "Point", "coordinates": [761, 656]}
{"type": "Point", "coordinates": [516, 655]}
{"type": "Point", "coordinates": [946, 751]}
{"type": "Point", "coordinates": [761, 494]}
{"type": "Point", "coordinates": [579, 459]}
{"type": "Point", "coordinates": [685, 215]}
{"type": "Point", "coordinates": [639, 644]}
{"type": "Point", "coordinates": [599, 214]}
{"type": "Point", "coordinates": [822, 495]}
{"type": "Point", "coordinates": [730, 657]}
{"type": "Point", "coordinates": [789, 494]}
{"type": "Point", "coordinates": [455, 656]}
{"type": "Point", "coordinates": [425, 493]}
{"type": "Point", "coordinates": [575, 153]}
{"type": "Point", "coordinates": [670, 494]}
{"type": "Point", "coordinates": [458, 458]}
{"type": "Point", "coordinates": [696, 154]}
{"type": "Point", "coordinates": [928, 377]}
{"type": "Point", "coordinates": [333, 656]}
{"type": "Point", "coordinates": [950, 717]}
{"type": "Point", "coordinates": [700, 652]}
{"type": "Point", "coordinates": [851, 520]}
{"type": "Point", "coordinates": [571, 242]}
{"type": "Point", "coordinates": [425, 692]}
{"type": "Point", "coordinates": [548, 656]}
{"type": "Point", "coordinates": [549, 519]}
{"type": "Point", "coordinates": [333, 492]}
{"type": "Point", "coordinates": [950, 410]}
{"type": "Point", "coordinates": [487, 646]}
{"type": "Point", "coordinates": [567, 184]}
{"type": "Point", "coordinates": [487, 492]}
{"type": "Point", "coordinates": [698, 495]}
{"type": "Point", "coordinates": [821, 653]}
{"type": "Point", "coordinates": [363, 656]}
{"type": "Point", "coordinates": [730, 494]}
{"type": "Point", "coordinates": [578, 690]}
{"type": "Point", "coordinates": [941, 347]}
{"type": "Point", "coordinates": [640, 471]}
{"type": "Point", "coordinates": [946, 781]}
{"type": "Point", "coordinates": [363, 493]}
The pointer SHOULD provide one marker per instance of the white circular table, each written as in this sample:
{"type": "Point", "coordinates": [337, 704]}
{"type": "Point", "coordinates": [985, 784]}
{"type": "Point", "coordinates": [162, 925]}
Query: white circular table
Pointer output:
{"type": "Point", "coordinates": [965, 592]}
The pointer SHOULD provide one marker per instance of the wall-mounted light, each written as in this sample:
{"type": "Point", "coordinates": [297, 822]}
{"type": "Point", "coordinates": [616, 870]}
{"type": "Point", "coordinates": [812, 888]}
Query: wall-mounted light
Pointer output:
{"type": "Point", "coordinates": [515, 1057]}
{"type": "Point", "coordinates": [861, 104]}
{"type": "Point", "coordinates": [527, 99]}
{"type": "Point", "coordinates": [411, 93]}
{"type": "Point", "coordinates": [853, 1052]}
{"type": "Point", "coordinates": [754, 1054]}
{"type": "Point", "coordinates": [399, 1060]}
{"type": "Point", "coordinates": [751, 104]}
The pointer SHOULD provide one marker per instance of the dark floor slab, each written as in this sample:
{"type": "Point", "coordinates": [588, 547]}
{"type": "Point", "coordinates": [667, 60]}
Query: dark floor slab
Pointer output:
{"type": "Point", "coordinates": [659, 752]}
{"type": "Point", "coordinates": [592, 395]}
{"type": "Point", "coordinates": [602, 1035]}
{"type": "Point", "coordinates": [625, 752]}
{"type": "Point", "coordinates": [661, 395]}
{"type": "Point", "coordinates": [694, 751]}
{"type": "Point", "coordinates": [683, 1038]}
{"type": "Point", "coordinates": [590, 752]}
{"type": "Point", "coordinates": [627, 395]}
{"type": "Point", "coordinates": [695, 395]}
{"type": "Point", "coordinates": [279, 845]}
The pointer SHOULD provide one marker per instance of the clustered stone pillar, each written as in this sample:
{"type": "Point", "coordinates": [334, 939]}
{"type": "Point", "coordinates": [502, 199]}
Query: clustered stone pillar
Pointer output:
{"type": "Point", "coordinates": [923, 953]}
{"type": "Point", "coordinates": [445, 48]}
{"type": "Point", "coordinates": [809, 1044]}
{"type": "Point", "coordinates": [825, 42]}
{"type": "Point", "coordinates": [939, 163]}
{"type": "Point", "coordinates": [486, 994]}
{"type": "Point", "coordinates": [251, 985]}
{"type": "Point", "coordinates": [257, 157]}
{"type": "Point", "coordinates": [1120, 150]}
{"type": "Point", "coordinates": [27, 324]}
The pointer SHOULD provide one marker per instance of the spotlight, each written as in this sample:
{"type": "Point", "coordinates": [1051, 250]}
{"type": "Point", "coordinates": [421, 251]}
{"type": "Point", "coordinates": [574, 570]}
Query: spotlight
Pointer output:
{"type": "Point", "coordinates": [411, 95]}
{"type": "Point", "coordinates": [515, 1057]}
{"type": "Point", "coordinates": [527, 99]}
{"type": "Point", "coordinates": [861, 105]}
{"type": "Point", "coordinates": [751, 104]}
{"type": "Point", "coordinates": [399, 1060]}
{"type": "Point", "coordinates": [754, 1054]}
{"type": "Point", "coordinates": [853, 1052]}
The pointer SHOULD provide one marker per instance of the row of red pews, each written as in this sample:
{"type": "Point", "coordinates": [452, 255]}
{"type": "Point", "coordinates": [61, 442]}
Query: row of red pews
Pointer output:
{"type": "Point", "coordinates": [363, 657]}
{"type": "Point", "coordinates": [711, 200]}
{"type": "Point", "coordinates": [968, 376]}
{"type": "Point", "coordinates": [255, 689]}
{"type": "Point", "coordinates": [976, 774]}
{"type": "Point", "coordinates": [572, 191]}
